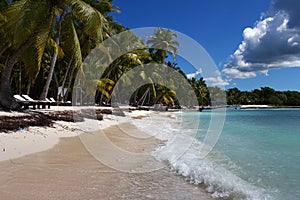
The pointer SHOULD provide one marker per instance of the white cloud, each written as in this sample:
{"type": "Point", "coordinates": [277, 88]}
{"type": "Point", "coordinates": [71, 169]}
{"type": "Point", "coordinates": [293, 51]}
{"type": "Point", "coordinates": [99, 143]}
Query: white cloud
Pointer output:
{"type": "Point", "coordinates": [193, 75]}
{"type": "Point", "coordinates": [274, 42]}
{"type": "Point", "coordinates": [237, 74]}
{"type": "Point", "coordinates": [217, 80]}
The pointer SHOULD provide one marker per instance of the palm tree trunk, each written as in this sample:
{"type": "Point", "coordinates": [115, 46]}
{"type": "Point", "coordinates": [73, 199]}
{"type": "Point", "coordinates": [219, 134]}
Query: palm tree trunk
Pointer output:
{"type": "Point", "coordinates": [28, 87]}
{"type": "Point", "coordinates": [5, 92]}
{"type": "Point", "coordinates": [56, 79]}
{"type": "Point", "coordinates": [49, 78]}
{"type": "Point", "coordinates": [65, 78]}
{"type": "Point", "coordinates": [53, 62]}
{"type": "Point", "coordinates": [70, 82]}
{"type": "Point", "coordinates": [57, 83]}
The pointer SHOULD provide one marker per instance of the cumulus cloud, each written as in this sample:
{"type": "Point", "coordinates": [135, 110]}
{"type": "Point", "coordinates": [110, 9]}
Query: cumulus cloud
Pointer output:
{"type": "Point", "coordinates": [274, 42]}
{"type": "Point", "coordinates": [217, 80]}
{"type": "Point", "coordinates": [193, 75]}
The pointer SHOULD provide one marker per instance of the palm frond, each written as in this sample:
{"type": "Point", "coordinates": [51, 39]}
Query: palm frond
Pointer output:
{"type": "Point", "coordinates": [57, 48]}
{"type": "Point", "coordinates": [105, 86]}
{"type": "Point", "coordinates": [31, 63]}
{"type": "Point", "coordinates": [71, 44]}
{"type": "Point", "coordinates": [23, 18]}
{"type": "Point", "coordinates": [92, 19]}
{"type": "Point", "coordinates": [42, 35]}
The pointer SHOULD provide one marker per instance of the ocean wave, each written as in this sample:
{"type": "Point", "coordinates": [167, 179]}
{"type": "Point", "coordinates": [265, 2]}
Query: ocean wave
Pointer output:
{"type": "Point", "coordinates": [182, 153]}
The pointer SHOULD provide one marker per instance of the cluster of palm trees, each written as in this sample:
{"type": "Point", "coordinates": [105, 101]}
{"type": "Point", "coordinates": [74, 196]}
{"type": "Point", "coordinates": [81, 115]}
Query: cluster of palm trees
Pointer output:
{"type": "Point", "coordinates": [43, 44]}
{"type": "Point", "coordinates": [48, 39]}
{"type": "Point", "coordinates": [161, 84]}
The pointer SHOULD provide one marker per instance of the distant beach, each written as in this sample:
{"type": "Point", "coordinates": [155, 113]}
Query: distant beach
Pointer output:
{"type": "Point", "coordinates": [265, 106]}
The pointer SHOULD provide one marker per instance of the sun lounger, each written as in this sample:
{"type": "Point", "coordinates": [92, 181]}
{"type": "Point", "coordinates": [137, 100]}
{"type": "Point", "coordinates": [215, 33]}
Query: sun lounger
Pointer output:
{"type": "Point", "coordinates": [58, 103]}
{"type": "Point", "coordinates": [23, 102]}
{"type": "Point", "coordinates": [52, 102]}
{"type": "Point", "coordinates": [37, 102]}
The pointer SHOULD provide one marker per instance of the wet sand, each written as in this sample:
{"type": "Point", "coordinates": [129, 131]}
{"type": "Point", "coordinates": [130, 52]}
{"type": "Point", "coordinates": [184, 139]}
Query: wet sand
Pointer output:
{"type": "Point", "coordinates": [68, 171]}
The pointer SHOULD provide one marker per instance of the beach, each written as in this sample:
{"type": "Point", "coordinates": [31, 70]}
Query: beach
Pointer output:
{"type": "Point", "coordinates": [154, 155]}
{"type": "Point", "coordinates": [53, 163]}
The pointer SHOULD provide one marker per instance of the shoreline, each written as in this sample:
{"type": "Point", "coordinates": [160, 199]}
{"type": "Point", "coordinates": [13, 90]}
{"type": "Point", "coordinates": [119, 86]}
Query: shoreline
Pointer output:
{"type": "Point", "coordinates": [68, 171]}
{"type": "Point", "coordinates": [264, 106]}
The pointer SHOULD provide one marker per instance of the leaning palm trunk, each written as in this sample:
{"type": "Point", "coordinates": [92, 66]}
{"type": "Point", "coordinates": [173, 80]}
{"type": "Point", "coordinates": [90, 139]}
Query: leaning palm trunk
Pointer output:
{"type": "Point", "coordinates": [49, 78]}
{"type": "Point", "coordinates": [53, 62]}
{"type": "Point", "coordinates": [28, 87]}
{"type": "Point", "coordinates": [5, 92]}
{"type": "Point", "coordinates": [70, 82]}
{"type": "Point", "coordinates": [65, 78]}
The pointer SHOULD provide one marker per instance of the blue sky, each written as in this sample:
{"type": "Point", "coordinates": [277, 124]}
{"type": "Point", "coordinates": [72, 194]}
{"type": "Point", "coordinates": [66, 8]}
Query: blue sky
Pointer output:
{"type": "Point", "coordinates": [219, 26]}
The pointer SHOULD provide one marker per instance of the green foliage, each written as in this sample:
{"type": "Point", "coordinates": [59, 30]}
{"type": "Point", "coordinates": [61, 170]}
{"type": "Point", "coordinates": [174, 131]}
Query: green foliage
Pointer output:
{"type": "Point", "coordinates": [201, 91]}
{"type": "Point", "coordinates": [162, 43]}
{"type": "Point", "coordinates": [72, 28]}
{"type": "Point", "coordinates": [264, 95]}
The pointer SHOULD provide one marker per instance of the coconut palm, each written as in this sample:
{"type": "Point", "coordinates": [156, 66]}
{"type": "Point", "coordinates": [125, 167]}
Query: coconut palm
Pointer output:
{"type": "Point", "coordinates": [124, 59]}
{"type": "Point", "coordinates": [93, 23]}
{"type": "Point", "coordinates": [39, 18]}
{"type": "Point", "coordinates": [105, 86]}
{"type": "Point", "coordinates": [165, 95]}
{"type": "Point", "coordinates": [162, 43]}
{"type": "Point", "coordinates": [201, 90]}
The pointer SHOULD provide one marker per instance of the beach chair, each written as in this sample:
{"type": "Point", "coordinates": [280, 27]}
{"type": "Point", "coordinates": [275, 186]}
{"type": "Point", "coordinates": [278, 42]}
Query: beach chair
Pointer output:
{"type": "Point", "coordinates": [37, 102]}
{"type": "Point", "coordinates": [52, 102]}
{"type": "Point", "coordinates": [23, 102]}
{"type": "Point", "coordinates": [59, 103]}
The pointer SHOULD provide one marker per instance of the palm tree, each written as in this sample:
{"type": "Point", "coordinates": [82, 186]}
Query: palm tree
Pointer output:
{"type": "Point", "coordinates": [105, 86]}
{"type": "Point", "coordinates": [38, 19]}
{"type": "Point", "coordinates": [121, 44]}
{"type": "Point", "coordinates": [93, 23]}
{"type": "Point", "coordinates": [162, 43]}
{"type": "Point", "coordinates": [165, 95]}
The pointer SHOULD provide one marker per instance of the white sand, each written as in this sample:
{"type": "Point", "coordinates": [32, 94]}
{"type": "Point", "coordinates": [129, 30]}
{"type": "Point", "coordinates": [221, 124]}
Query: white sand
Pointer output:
{"type": "Point", "coordinates": [2, 113]}
{"type": "Point", "coordinates": [33, 139]}
{"type": "Point", "coordinates": [69, 171]}
{"type": "Point", "coordinates": [14, 144]}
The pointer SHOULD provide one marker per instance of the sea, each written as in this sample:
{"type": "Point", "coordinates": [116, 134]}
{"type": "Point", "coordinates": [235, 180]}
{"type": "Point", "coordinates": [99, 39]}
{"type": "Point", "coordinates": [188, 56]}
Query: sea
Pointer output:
{"type": "Point", "coordinates": [232, 154]}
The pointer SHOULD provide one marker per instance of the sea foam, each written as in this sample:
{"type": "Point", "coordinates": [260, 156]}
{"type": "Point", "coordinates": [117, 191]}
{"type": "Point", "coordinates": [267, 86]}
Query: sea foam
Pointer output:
{"type": "Point", "coordinates": [182, 153]}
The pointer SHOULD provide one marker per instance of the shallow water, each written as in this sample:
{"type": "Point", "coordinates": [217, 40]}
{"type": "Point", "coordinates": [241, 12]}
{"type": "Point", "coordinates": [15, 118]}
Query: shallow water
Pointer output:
{"type": "Point", "coordinates": [265, 144]}
{"type": "Point", "coordinates": [257, 155]}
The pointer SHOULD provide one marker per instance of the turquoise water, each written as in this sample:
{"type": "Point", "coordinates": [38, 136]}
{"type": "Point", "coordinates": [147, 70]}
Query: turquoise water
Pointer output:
{"type": "Point", "coordinates": [257, 155]}
{"type": "Point", "coordinates": [264, 149]}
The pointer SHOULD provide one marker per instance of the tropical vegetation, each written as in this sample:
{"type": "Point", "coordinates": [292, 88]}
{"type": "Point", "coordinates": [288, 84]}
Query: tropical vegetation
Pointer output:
{"type": "Point", "coordinates": [263, 96]}
{"type": "Point", "coordinates": [43, 45]}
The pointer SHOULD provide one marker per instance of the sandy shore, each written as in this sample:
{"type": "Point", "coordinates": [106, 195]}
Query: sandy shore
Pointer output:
{"type": "Point", "coordinates": [38, 165]}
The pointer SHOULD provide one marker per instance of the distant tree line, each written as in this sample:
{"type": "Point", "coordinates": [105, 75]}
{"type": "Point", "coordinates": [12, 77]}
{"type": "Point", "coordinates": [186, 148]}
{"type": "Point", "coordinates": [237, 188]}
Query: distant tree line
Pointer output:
{"type": "Point", "coordinates": [263, 96]}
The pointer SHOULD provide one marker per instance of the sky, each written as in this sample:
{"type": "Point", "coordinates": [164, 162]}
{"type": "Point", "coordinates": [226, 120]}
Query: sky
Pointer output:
{"type": "Point", "coordinates": [254, 43]}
